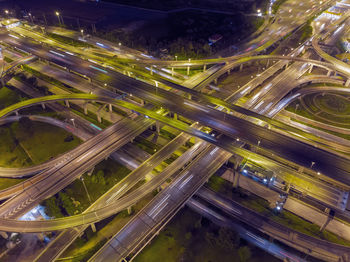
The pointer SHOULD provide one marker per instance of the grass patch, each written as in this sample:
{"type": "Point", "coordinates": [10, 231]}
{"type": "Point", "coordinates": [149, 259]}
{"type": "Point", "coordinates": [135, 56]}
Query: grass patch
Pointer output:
{"type": "Point", "coordinates": [189, 237]}
{"type": "Point", "coordinates": [68, 40]}
{"type": "Point", "coordinates": [48, 79]}
{"type": "Point", "coordinates": [7, 59]}
{"type": "Point", "coordinates": [73, 199]}
{"type": "Point", "coordinates": [8, 182]}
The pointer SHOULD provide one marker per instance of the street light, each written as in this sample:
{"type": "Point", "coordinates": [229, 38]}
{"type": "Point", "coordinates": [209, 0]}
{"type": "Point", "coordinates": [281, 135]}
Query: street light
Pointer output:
{"type": "Point", "coordinates": [72, 119]}
{"type": "Point", "coordinates": [58, 17]}
{"type": "Point", "coordinates": [82, 33]}
{"type": "Point", "coordinates": [31, 17]}
{"type": "Point", "coordinates": [176, 57]}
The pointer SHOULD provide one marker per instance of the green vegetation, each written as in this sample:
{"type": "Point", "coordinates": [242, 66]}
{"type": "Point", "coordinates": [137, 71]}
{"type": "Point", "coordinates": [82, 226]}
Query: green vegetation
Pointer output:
{"type": "Point", "coordinates": [8, 182]}
{"type": "Point", "coordinates": [9, 96]}
{"type": "Point", "coordinates": [73, 199]}
{"type": "Point", "coordinates": [190, 237]}
{"type": "Point", "coordinates": [68, 40]}
{"type": "Point", "coordinates": [260, 205]}
{"type": "Point", "coordinates": [46, 78]}
{"type": "Point", "coordinates": [29, 143]}
{"type": "Point", "coordinates": [146, 145]}
{"type": "Point", "coordinates": [7, 59]}
{"type": "Point", "coordinates": [328, 108]}
{"type": "Point", "coordinates": [306, 32]}
{"type": "Point", "coordinates": [86, 245]}
{"type": "Point", "coordinates": [277, 5]}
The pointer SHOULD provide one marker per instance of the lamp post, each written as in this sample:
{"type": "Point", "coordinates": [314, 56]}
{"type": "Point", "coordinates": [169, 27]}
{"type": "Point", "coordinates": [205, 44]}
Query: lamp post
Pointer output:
{"type": "Point", "coordinates": [82, 33]}
{"type": "Point", "coordinates": [72, 119]}
{"type": "Point", "coordinates": [58, 17]}
{"type": "Point", "coordinates": [31, 17]}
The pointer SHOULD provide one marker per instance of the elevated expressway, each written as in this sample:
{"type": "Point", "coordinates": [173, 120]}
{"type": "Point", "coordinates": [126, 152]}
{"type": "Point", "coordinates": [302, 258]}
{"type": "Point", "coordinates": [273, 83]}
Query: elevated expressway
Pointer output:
{"type": "Point", "coordinates": [57, 224]}
{"type": "Point", "coordinates": [115, 199]}
{"type": "Point", "coordinates": [316, 247]}
{"type": "Point", "coordinates": [162, 207]}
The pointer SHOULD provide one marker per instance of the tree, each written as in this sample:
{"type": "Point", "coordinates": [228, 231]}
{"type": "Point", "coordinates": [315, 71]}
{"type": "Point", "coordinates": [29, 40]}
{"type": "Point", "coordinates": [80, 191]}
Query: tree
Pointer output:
{"type": "Point", "coordinates": [228, 238]}
{"type": "Point", "coordinates": [52, 207]}
{"type": "Point", "coordinates": [66, 203]}
{"type": "Point", "coordinates": [244, 253]}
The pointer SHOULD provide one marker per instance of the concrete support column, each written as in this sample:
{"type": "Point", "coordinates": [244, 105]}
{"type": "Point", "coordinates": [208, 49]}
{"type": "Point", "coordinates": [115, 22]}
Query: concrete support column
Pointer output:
{"type": "Point", "coordinates": [347, 83]}
{"type": "Point", "coordinates": [151, 70]}
{"type": "Point", "coordinates": [204, 67]}
{"type": "Point", "coordinates": [67, 103]}
{"type": "Point", "coordinates": [215, 81]}
{"type": "Point", "coordinates": [287, 65]}
{"type": "Point", "coordinates": [229, 72]}
{"type": "Point", "coordinates": [16, 112]}
{"type": "Point", "coordinates": [157, 127]}
{"type": "Point", "coordinates": [43, 106]}
{"type": "Point", "coordinates": [4, 234]}
{"type": "Point", "coordinates": [110, 107]}
{"type": "Point", "coordinates": [329, 72]}
{"type": "Point", "coordinates": [85, 108]}
{"type": "Point", "coordinates": [175, 116]}
{"type": "Point", "coordinates": [241, 67]}
{"type": "Point", "coordinates": [93, 227]}
{"type": "Point", "coordinates": [268, 63]}
{"type": "Point", "coordinates": [172, 71]}
{"type": "Point", "coordinates": [188, 70]}
{"type": "Point", "coordinates": [99, 119]}
{"type": "Point", "coordinates": [142, 102]}
{"type": "Point", "coordinates": [235, 178]}
{"type": "Point", "coordinates": [89, 79]}
{"type": "Point", "coordinates": [129, 210]}
{"type": "Point", "coordinates": [310, 69]}
{"type": "Point", "coordinates": [91, 171]}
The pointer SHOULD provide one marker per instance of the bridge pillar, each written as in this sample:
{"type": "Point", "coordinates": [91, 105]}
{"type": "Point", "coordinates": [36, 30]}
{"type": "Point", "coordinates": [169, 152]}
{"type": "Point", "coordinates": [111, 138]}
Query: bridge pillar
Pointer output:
{"type": "Point", "coordinates": [310, 69]}
{"type": "Point", "coordinates": [236, 175]}
{"type": "Point", "coordinates": [16, 112]}
{"type": "Point", "coordinates": [347, 83]}
{"type": "Point", "coordinates": [142, 102]}
{"type": "Point", "coordinates": [110, 107]}
{"type": "Point", "coordinates": [159, 189]}
{"type": "Point", "coordinates": [2, 81]}
{"type": "Point", "coordinates": [129, 210]}
{"type": "Point", "coordinates": [241, 67]}
{"type": "Point", "coordinates": [268, 62]}
{"type": "Point", "coordinates": [91, 171]}
{"type": "Point", "coordinates": [93, 227]}
{"type": "Point", "coordinates": [99, 119]}
{"type": "Point", "coordinates": [229, 71]}
{"type": "Point", "coordinates": [85, 108]}
{"type": "Point", "coordinates": [215, 81]}
{"type": "Point", "coordinates": [204, 67]}
{"type": "Point", "coordinates": [157, 127]}
{"type": "Point", "coordinates": [287, 65]}
{"type": "Point", "coordinates": [67, 103]}
{"type": "Point", "coordinates": [151, 70]}
{"type": "Point", "coordinates": [329, 72]}
{"type": "Point", "coordinates": [172, 71]}
{"type": "Point", "coordinates": [175, 116]}
{"type": "Point", "coordinates": [43, 106]}
{"type": "Point", "coordinates": [188, 70]}
{"type": "Point", "coordinates": [4, 234]}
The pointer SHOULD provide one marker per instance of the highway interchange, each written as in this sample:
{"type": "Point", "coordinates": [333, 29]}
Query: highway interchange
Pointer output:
{"type": "Point", "coordinates": [237, 125]}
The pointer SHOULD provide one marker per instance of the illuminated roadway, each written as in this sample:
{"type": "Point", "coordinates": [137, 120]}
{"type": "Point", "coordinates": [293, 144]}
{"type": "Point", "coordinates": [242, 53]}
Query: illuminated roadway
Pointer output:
{"type": "Point", "coordinates": [162, 206]}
